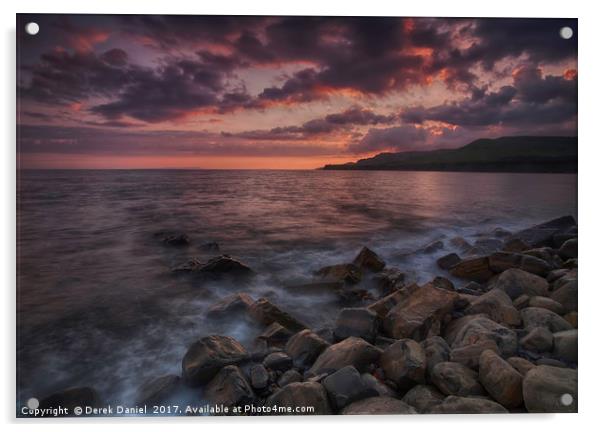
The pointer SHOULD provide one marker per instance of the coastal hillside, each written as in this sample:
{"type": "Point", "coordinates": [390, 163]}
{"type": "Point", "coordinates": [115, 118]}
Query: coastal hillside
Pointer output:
{"type": "Point", "coordinates": [506, 154]}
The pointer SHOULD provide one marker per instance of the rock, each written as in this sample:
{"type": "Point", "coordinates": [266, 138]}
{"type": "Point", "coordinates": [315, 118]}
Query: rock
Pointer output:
{"type": "Point", "coordinates": [448, 261]}
{"type": "Point", "coordinates": [290, 376]}
{"type": "Point", "coordinates": [348, 273]}
{"type": "Point", "coordinates": [158, 391]}
{"type": "Point", "coordinates": [543, 234]}
{"type": "Point", "coordinates": [467, 405]}
{"type": "Point", "coordinates": [278, 361]}
{"type": "Point", "coordinates": [546, 303]}
{"type": "Point", "coordinates": [302, 394]}
{"type": "Point", "coordinates": [358, 322]}
{"type": "Point", "coordinates": [223, 265]}
{"type": "Point", "coordinates": [266, 313]}
{"type": "Point", "coordinates": [538, 317]}
{"type": "Point", "coordinates": [544, 386]}
{"type": "Point", "coordinates": [502, 261]}
{"type": "Point", "coordinates": [544, 253]}
{"type": "Point", "coordinates": [567, 295]}
{"type": "Point", "coordinates": [259, 376]}
{"type": "Point", "coordinates": [305, 347]}
{"type": "Point", "coordinates": [404, 363]}
{"type": "Point", "coordinates": [516, 282]}
{"type": "Point", "coordinates": [559, 239]}
{"type": "Point", "coordinates": [432, 247]}
{"type": "Point", "coordinates": [456, 379]}
{"type": "Point", "coordinates": [539, 339]}
{"type": "Point", "coordinates": [554, 275]}
{"type": "Point", "coordinates": [207, 356]}
{"type": "Point", "coordinates": [275, 334]}
{"type": "Point", "coordinates": [489, 245]}
{"type": "Point", "coordinates": [316, 287]}
{"type": "Point", "coordinates": [496, 305]}
{"type": "Point", "coordinates": [547, 361]}
{"type": "Point", "coordinates": [565, 345]}
{"type": "Point", "coordinates": [352, 351]}
{"type": "Point", "coordinates": [419, 314]}
{"type": "Point", "coordinates": [378, 405]}
{"type": "Point", "coordinates": [378, 386]}
{"type": "Point", "coordinates": [436, 351]}
{"type": "Point", "coordinates": [568, 249]}
{"type": "Point", "coordinates": [172, 238]}
{"type": "Point", "coordinates": [369, 260]}
{"type": "Point", "coordinates": [472, 329]}
{"type": "Point", "coordinates": [572, 319]}
{"type": "Point", "coordinates": [230, 305]}
{"type": "Point", "coordinates": [443, 283]}
{"type": "Point", "coordinates": [469, 355]}
{"type": "Point", "coordinates": [346, 386]}
{"type": "Point", "coordinates": [570, 264]}
{"type": "Point", "coordinates": [520, 364]}
{"type": "Point", "coordinates": [501, 380]}
{"type": "Point", "coordinates": [229, 388]}
{"type": "Point", "coordinates": [423, 398]}
{"type": "Point", "coordinates": [460, 243]}
{"type": "Point", "coordinates": [71, 398]}
{"type": "Point", "coordinates": [515, 245]}
{"type": "Point", "coordinates": [474, 269]}
{"type": "Point", "coordinates": [385, 304]}
{"type": "Point", "coordinates": [501, 232]}
{"type": "Point", "coordinates": [521, 302]}
{"type": "Point", "coordinates": [389, 280]}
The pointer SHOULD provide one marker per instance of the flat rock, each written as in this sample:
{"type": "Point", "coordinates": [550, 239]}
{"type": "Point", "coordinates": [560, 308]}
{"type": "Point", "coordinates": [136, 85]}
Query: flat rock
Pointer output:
{"type": "Point", "coordinates": [467, 405]}
{"type": "Point", "coordinates": [456, 379]}
{"type": "Point", "coordinates": [208, 355]}
{"type": "Point", "coordinates": [352, 351]}
{"type": "Point", "coordinates": [304, 348]}
{"type": "Point", "coordinates": [369, 260]}
{"type": "Point", "coordinates": [500, 379]}
{"type": "Point", "coordinates": [544, 386]}
{"type": "Point", "coordinates": [474, 269]}
{"type": "Point", "coordinates": [266, 313]}
{"type": "Point", "coordinates": [378, 405]}
{"type": "Point", "coordinates": [346, 386]}
{"type": "Point", "coordinates": [358, 322]}
{"type": "Point", "coordinates": [385, 304]}
{"type": "Point", "coordinates": [538, 317]}
{"type": "Point", "coordinates": [302, 394]}
{"type": "Point", "coordinates": [502, 261]}
{"type": "Point", "coordinates": [404, 363]}
{"type": "Point", "coordinates": [229, 388]}
{"type": "Point", "coordinates": [516, 282]}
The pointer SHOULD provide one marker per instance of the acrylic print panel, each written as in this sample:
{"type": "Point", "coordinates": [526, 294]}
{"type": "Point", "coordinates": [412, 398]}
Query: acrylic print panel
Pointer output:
{"type": "Point", "coordinates": [248, 215]}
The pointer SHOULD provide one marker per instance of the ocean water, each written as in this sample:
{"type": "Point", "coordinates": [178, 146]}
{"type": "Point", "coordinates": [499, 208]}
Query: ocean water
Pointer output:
{"type": "Point", "coordinates": [98, 306]}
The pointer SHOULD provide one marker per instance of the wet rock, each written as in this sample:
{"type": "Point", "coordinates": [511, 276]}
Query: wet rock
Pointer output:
{"type": "Point", "coordinates": [567, 295]}
{"type": "Point", "coordinates": [71, 398]}
{"type": "Point", "coordinates": [290, 376]}
{"type": "Point", "coordinates": [497, 305]}
{"type": "Point", "coordinates": [448, 261]}
{"type": "Point", "coordinates": [389, 280]}
{"type": "Point", "coordinates": [369, 260]}
{"type": "Point", "coordinates": [502, 261]}
{"type": "Point", "coordinates": [158, 391]}
{"type": "Point", "coordinates": [467, 405]}
{"type": "Point", "coordinates": [346, 386]}
{"type": "Point", "coordinates": [420, 314]}
{"type": "Point", "coordinates": [546, 303]}
{"type": "Point", "coordinates": [436, 351]}
{"type": "Point", "coordinates": [404, 363]}
{"type": "Point", "coordinates": [544, 386]}
{"type": "Point", "coordinates": [208, 355]}
{"type": "Point", "coordinates": [377, 385]}
{"type": "Point", "coordinates": [305, 347]}
{"type": "Point", "coordinates": [432, 247]}
{"type": "Point", "coordinates": [302, 394]}
{"type": "Point", "coordinates": [543, 234]}
{"type": "Point", "coordinates": [259, 376]}
{"type": "Point", "coordinates": [275, 335]}
{"type": "Point", "coordinates": [539, 339]}
{"type": "Point", "coordinates": [229, 388]}
{"type": "Point", "coordinates": [378, 405]}
{"type": "Point", "coordinates": [358, 322]}
{"type": "Point", "coordinates": [460, 243]}
{"type": "Point", "coordinates": [474, 269]}
{"type": "Point", "coordinates": [515, 245]}
{"type": "Point", "coordinates": [500, 379]}
{"type": "Point", "coordinates": [423, 398]}
{"type": "Point", "coordinates": [443, 283]}
{"type": "Point", "coordinates": [278, 361]}
{"type": "Point", "coordinates": [266, 313]}
{"type": "Point", "coordinates": [223, 265]}
{"type": "Point", "coordinates": [521, 302]}
{"type": "Point", "coordinates": [352, 351]}
{"type": "Point", "coordinates": [230, 305]}
{"type": "Point", "coordinates": [348, 273]}
{"type": "Point", "coordinates": [568, 249]}
{"type": "Point", "coordinates": [520, 364]}
{"type": "Point", "coordinates": [565, 345]}
{"type": "Point", "coordinates": [516, 282]}
{"type": "Point", "coordinates": [384, 305]}
{"type": "Point", "coordinates": [489, 245]}
{"type": "Point", "coordinates": [475, 329]}
{"type": "Point", "coordinates": [456, 379]}
{"type": "Point", "coordinates": [538, 317]}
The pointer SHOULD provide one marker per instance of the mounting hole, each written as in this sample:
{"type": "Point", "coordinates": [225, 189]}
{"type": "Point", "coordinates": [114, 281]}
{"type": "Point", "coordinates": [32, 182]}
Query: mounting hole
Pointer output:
{"type": "Point", "coordinates": [566, 32]}
{"type": "Point", "coordinates": [33, 403]}
{"type": "Point", "coordinates": [566, 399]}
{"type": "Point", "coordinates": [32, 28]}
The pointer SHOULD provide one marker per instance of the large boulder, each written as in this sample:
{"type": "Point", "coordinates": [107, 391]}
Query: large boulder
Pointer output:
{"type": "Point", "coordinates": [476, 329]}
{"type": "Point", "coordinates": [469, 355]}
{"type": "Point", "coordinates": [436, 351]}
{"type": "Point", "coordinates": [566, 294]}
{"type": "Point", "coordinates": [301, 394]}
{"type": "Point", "coordinates": [305, 347]}
{"type": "Point", "coordinates": [229, 388]}
{"type": "Point", "coordinates": [423, 397]}
{"type": "Point", "coordinates": [502, 261]}
{"type": "Point", "coordinates": [230, 305]}
{"type": "Point", "coordinates": [266, 313]}
{"type": "Point", "coordinates": [539, 339]}
{"type": "Point", "coordinates": [543, 234]}
{"type": "Point", "coordinates": [538, 317]}
{"type": "Point", "coordinates": [565, 345]}
{"type": "Point", "coordinates": [369, 260]}
{"type": "Point", "coordinates": [347, 273]}
{"type": "Point", "coordinates": [404, 363]}
{"type": "Point", "coordinates": [467, 405]}
{"type": "Point", "coordinates": [158, 391]}
{"type": "Point", "coordinates": [358, 322]}
{"type": "Point", "coordinates": [278, 361]}
{"type": "Point", "coordinates": [352, 351]}
{"type": "Point", "coordinates": [568, 249]}
{"type": "Point", "coordinates": [546, 303]}
{"type": "Point", "coordinates": [378, 405]}
{"type": "Point", "coordinates": [497, 305]}
{"type": "Point", "coordinates": [516, 282]}
{"type": "Point", "coordinates": [346, 386]}
{"type": "Point", "coordinates": [456, 379]}
{"type": "Point", "coordinates": [208, 355]}
{"type": "Point", "coordinates": [275, 335]}
{"type": "Point", "coordinates": [474, 269]}
{"type": "Point", "coordinates": [545, 387]}
{"type": "Point", "coordinates": [500, 379]}
{"type": "Point", "coordinates": [419, 315]}
{"type": "Point", "coordinates": [385, 304]}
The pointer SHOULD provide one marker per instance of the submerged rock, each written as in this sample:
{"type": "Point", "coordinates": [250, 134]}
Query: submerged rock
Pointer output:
{"type": "Point", "coordinates": [171, 238]}
{"type": "Point", "coordinates": [266, 313]}
{"type": "Point", "coordinates": [369, 260]}
{"type": "Point", "coordinates": [223, 265]}
{"type": "Point", "coordinates": [348, 273]}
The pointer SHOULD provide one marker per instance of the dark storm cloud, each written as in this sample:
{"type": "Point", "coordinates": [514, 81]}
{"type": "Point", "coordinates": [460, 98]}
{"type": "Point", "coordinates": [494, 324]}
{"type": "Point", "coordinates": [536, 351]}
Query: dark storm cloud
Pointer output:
{"type": "Point", "coordinates": [399, 138]}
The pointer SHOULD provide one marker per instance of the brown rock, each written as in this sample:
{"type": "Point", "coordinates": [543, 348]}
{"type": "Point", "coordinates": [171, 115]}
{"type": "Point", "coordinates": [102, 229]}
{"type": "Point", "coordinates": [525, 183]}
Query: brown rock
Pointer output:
{"type": "Point", "coordinates": [230, 305]}
{"type": "Point", "coordinates": [448, 261]}
{"type": "Point", "coordinates": [302, 394]}
{"type": "Point", "coordinates": [474, 269]}
{"type": "Point", "coordinates": [538, 317]}
{"type": "Point", "coordinates": [348, 273]}
{"type": "Point", "coordinates": [352, 351]}
{"type": "Point", "coordinates": [565, 345]}
{"type": "Point", "coordinates": [515, 245]}
{"type": "Point", "coordinates": [229, 388]}
{"type": "Point", "coordinates": [456, 379]}
{"type": "Point", "coordinates": [378, 405]}
{"type": "Point", "coordinates": [467, 405]}
{"type": "Point", "coordinates": [539, 339]}
{"type": "Point", "coordinates": [369, 260]}
{"type": "Point", "coordinates": [546, 303]}
{"type": "Point", "coordinates": [567, 295]}
{"type": "Point", "coordinates": [568, 249]}
{"type": "Point", "coordinates": [358, 322]}
{"type": "Point", "coordinates": [266, 313]}
{"type": "Point", "coordinates": [543, 234]}
{"type": "Point", "coordinates": [346, 386]}
{"type": "Point", "coordinates": [436, 351]}
{"type": "Point", "coordinates": [502, 261]}
{"type": "Point", "coordinates": [474, 329]}
{"type": "Point", "coordinates": [404, 363]}
{"type": "Point", "coordinates": [544, 386]}
{"type": "Point", "coordinates": [516, 282]}
{"type": "Point", "coordinates": [500, 379]}
{"type": "Point", "coordinates": [520, 364]}
{"type": "Point", "coordinates": [496, 305]}
{"type": "Point", "coordinates": [305, 347]}
{"type": "Point", "coordinates": [423, 398]}
{"type": "Point", "coordinates": [572, 318]}
{"type": "Point", "coordinates": [385, 304]}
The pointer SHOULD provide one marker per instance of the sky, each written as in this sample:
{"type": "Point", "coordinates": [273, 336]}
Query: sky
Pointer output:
{"type": "Point", "coordinates": [247, 92]}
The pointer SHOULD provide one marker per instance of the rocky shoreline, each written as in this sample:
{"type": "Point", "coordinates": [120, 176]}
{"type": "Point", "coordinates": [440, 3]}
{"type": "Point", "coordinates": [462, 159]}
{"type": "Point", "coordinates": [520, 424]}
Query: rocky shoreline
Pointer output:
{"type": "Point", "coordinates": [505, 340]}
